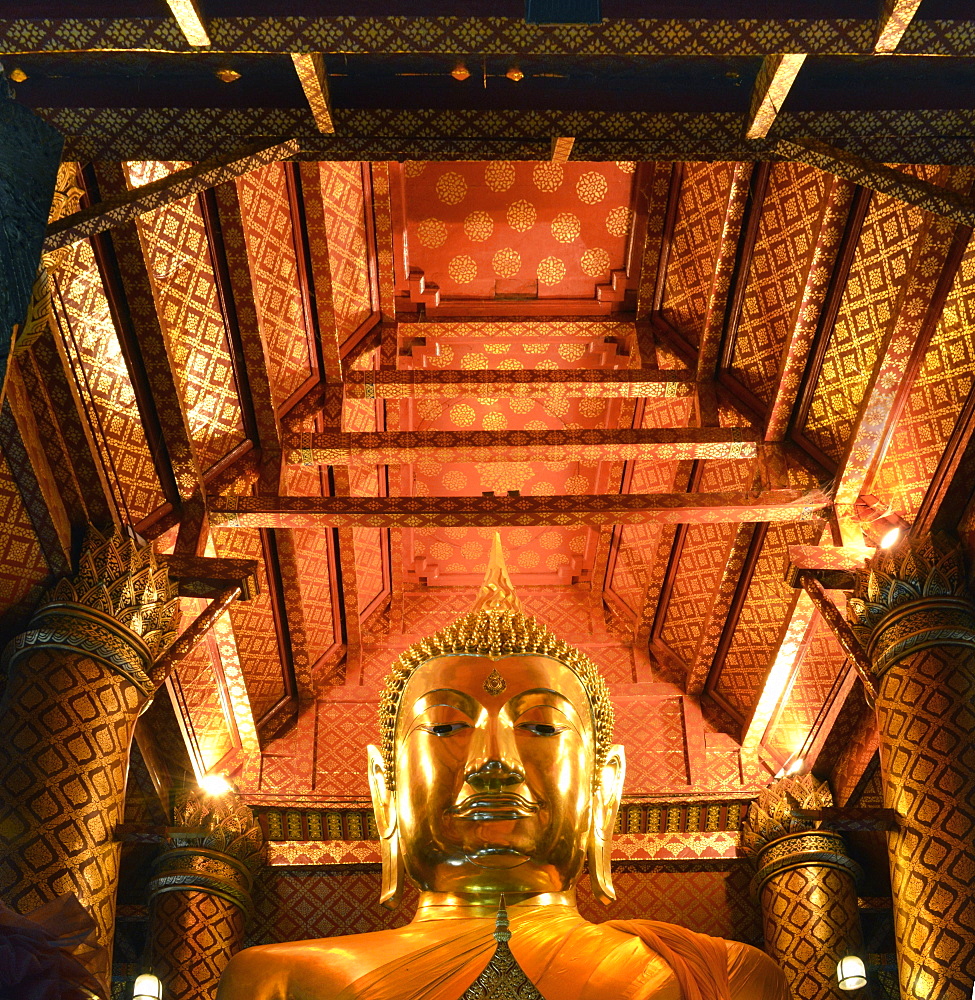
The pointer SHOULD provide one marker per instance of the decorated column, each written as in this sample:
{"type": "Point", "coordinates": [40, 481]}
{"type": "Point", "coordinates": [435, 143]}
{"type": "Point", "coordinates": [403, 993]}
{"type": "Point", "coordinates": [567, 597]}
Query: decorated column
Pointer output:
{"type": "Point", "coordinates": [806, 884]}
{"type": "Point", "coordinates": [201, 893]}
{"type": "Point", "coordinates": [77, 679]}
{"type": "Point", "coordinates": [913, 612]}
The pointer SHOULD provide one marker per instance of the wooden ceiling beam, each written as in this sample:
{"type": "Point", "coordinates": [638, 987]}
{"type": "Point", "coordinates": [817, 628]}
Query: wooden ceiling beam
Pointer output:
{"type": "Point", "coordinates": [895, 18]}
{"type": "Point", "coordinates": [727, 265]}
{"type": "Point", "coordinates": [932, 198]}
{"type": "Point", "coordinates": [935, 260]}
{"type": "Point", "coordinates": [131, 203]}
{"type": "Point", "coordinates": [626, 444]}
{"type": "Point", "coordinates": [445, 383]}
{"type": "Point", "coordinates": [487, 511]}
{"type": "Point", "coordinates": [820, 262]}
{"type": "Point", "coordinates": [310, 67]}
{"type": "Point", "coordinates": [772, 85]}
{"type": "Point", "coordinates": [356, 35]}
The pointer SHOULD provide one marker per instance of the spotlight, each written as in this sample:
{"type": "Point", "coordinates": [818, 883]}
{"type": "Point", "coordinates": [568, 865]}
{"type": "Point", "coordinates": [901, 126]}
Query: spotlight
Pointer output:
{"type": "Point", "coordinates": [892, 537]}
{"type": "Point", "coordinates": [17, 75]}
{"type": "Point", "coordinates": [147, 987]}
{"type": "Point", "coordinates": [851, 973]}
{"type": "Point", "coordinates": [796, 766]}
{"type": "Point", "coordinates": [460, 72]}
{"type": "Point", "coordinates": [215, 784]}
{"type": "Point", "coordinates": [515, 74]}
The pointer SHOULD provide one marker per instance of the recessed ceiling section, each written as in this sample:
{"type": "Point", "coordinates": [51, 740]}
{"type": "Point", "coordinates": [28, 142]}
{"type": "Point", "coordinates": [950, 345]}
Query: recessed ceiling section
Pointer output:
{"type": "Point", "coordinates": [509, 235]}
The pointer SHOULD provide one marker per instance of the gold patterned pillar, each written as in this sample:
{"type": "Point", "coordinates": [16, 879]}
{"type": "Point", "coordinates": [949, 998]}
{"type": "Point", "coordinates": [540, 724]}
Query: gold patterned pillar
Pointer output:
{"type": "Point", "coordinates": [806, 884]}
{"type": "Point", "coordinates": [76, 682]}
{"type": "Point", "coordinates": [914, 614]}
{"type": "Point", "coordinates": [200, 893]}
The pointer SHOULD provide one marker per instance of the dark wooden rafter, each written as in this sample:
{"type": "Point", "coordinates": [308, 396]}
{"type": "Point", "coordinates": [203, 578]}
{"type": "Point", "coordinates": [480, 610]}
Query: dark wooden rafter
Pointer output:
{"type": "Point", "coordinates": [60, 398]}
{"type": "Point", "coordinates": [953, 483]}
{"type": "Point", "coordinates": [694, 479]}
{"type": "Point", "coordinates": [308, 214]}
{"type": "Point", "coordinates": [741, 266]}
{"type": "Point", "coordinates": [224, 226]}
{"type": "Point", "coordinates": [936, 257]}
{"type": "Point", "coordinates": [732, 592]}
{"type": "Point", "coordinates": [828, 314]}
{"type": "Point", "coordinates": [946, 259]}
{"type": "Point", "coordinates": [41, 503]}
{"type": "Point", "coordinates": [825, 246]}
{"type": "Point", "coordinates": [128, 289]}
{"type": "Point", "coordinates": [130, 204]}
{"type": "Point", "coordinates": [656, 244]}
{"type": "Point", "coordinates": [50, 439]}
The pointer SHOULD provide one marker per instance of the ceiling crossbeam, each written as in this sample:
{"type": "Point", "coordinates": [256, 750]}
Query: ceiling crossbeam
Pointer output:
{"type": "Point", "coordinates": [604, 382]}
{"type": "Point", "coordinates": [593, 445]}
{"type": "Point", "coordinates": [490, 511]}
{"type": "Point", "coordinates": [895, 18]}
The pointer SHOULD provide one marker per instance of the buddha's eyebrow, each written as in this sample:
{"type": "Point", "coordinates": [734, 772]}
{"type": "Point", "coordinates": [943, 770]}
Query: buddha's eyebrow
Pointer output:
{"type": "Point", "coordinates": [553, 698]}
{"type": "Point", "coordinates": [447, 696]}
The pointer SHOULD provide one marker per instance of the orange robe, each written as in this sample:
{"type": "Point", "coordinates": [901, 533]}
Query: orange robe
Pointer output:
{"type": "Point", "coordinates": [568, 958]}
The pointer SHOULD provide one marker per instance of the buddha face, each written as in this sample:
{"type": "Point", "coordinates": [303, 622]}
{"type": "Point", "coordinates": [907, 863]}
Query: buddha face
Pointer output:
{"type": "Point", "coordinates": [495, 780]}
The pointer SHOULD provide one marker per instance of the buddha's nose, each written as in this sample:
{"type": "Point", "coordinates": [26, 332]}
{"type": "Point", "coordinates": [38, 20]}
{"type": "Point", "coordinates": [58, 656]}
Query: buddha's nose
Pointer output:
{"type": "Point", "coordinates": [493, 775]}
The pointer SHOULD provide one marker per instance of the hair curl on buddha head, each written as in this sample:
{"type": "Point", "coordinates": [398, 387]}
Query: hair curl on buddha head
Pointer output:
{"type": "Point", "coordinates": [495, 633]}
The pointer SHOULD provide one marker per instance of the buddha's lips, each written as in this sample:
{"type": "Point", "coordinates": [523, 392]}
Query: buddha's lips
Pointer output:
{"type": "Point", "coordinates": [503, 805]}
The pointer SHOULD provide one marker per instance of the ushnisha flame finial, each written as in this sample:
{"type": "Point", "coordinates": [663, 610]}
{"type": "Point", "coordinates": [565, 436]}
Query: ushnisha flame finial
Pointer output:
{"type": "Point", "coordinates": [497, 592]}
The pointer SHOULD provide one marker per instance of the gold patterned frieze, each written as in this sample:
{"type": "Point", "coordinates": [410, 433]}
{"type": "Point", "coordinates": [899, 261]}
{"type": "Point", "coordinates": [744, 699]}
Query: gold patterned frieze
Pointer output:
{"type": "Point", "coordinates": [821, 848]}
{"type": "Point", "coordinates": [197, 868]}
{"type": "Point", "coordinates": [912, 597]}
{"type": "Point", "coordinates": [90, 633]}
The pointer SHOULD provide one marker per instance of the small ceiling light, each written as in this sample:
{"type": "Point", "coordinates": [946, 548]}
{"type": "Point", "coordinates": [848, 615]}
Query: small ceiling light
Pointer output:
{"type": "Point", "coordinates": [460, 72]}
{"type": "Point", "coordinates": [147, 987]}
{"type": "Point", "coordinates": [851, 973]}
{"type": "Point", "coordinates": [215, 784]}
{"type": "Point", "coordinates": [17, 75]}
{"type": "Point", "coordinates": [228, 75]}
{"type": "Point", "coordinates": [515, 74]}
{"type": "Point", "coordinates": [891, 538]}
{"type": "Point", "coordinates": [796, 766]}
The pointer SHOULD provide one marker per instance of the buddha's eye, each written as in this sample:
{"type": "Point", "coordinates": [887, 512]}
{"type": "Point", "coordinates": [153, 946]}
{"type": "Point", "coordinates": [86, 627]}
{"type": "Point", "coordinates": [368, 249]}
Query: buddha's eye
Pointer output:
{"type": "Point", "coordinates": [540, 728]}
{"type": "Point", "coordinates": [446, 728]}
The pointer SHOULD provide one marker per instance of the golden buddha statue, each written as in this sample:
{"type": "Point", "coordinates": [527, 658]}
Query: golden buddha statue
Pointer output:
{"type": "Point", "coordinates": [497, 775]}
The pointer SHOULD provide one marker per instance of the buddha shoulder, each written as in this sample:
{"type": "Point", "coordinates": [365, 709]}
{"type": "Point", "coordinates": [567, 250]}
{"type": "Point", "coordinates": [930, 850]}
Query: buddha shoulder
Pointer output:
{"type": "Point", "coordinates": [310, 970]}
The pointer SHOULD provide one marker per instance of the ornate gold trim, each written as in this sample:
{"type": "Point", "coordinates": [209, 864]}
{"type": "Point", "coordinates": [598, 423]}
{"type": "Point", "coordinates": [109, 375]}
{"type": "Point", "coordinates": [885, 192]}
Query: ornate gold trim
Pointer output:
{"type": "Point", "coordinates": [90, 633]}
{"type": "Point", "coordinates": [823, 848]}
{"type": "Point", "coordinates": [189, 868]}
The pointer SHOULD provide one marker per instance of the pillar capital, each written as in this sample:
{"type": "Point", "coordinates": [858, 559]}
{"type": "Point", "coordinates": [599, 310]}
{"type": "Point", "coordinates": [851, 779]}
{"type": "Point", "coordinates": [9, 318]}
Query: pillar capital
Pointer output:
{"type": "Point", "coordinates": [214, 848]}
{"type": "Point", "coordinates": [780, 841]}
{"type": "Point", "coordinates": [120, 608]}
{"type": "Point", "coordinates": [911, 597]}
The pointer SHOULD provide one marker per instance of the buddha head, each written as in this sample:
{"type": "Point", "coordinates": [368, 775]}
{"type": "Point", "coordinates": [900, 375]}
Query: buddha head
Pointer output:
{"type": "Point", "coordinates": [496, 771]}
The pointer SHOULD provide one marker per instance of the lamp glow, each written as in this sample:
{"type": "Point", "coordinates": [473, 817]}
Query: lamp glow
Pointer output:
{"type": "Point", "coordinates": [796, 766]}
{"type": "Point", "coordinates": [891, 538]}
{"type": "Point", "coordinates": [147, 987]}
{"type": "Point", "coordinates": [851, 973]}
{"type": "Point", "coordinates": [215, 784]}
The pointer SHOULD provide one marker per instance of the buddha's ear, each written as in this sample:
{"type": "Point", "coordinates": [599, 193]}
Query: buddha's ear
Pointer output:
{"type": "Point", "coordinates": [384, 806]}
{"type": "Point", "coordinates": [605, 805]}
